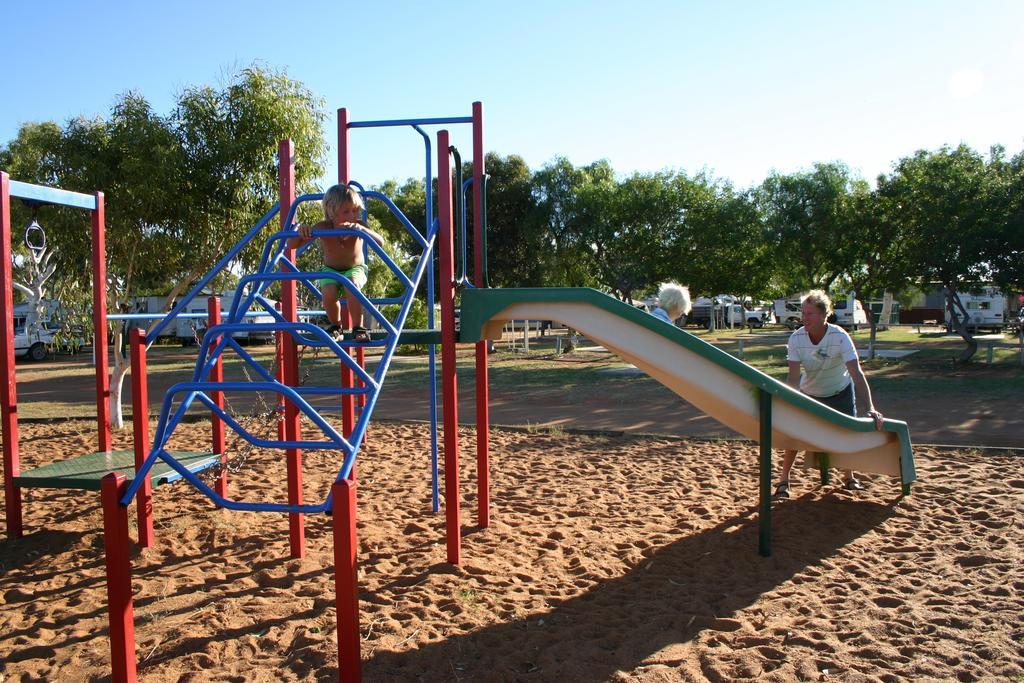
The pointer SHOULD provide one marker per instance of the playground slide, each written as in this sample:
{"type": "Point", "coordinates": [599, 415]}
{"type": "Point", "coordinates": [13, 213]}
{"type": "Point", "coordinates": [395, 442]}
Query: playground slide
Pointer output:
{"type": "Point", "coordinates": [717, 383]}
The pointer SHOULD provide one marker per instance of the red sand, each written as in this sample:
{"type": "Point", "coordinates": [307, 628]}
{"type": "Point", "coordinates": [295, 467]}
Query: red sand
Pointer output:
{"type": "Point", "coordinates": [609, 558]}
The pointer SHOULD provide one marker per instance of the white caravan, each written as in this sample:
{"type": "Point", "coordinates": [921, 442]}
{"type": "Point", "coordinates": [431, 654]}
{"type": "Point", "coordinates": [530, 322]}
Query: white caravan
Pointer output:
{"type": "Point", "coordinates": [849, 312]}
{"type": "Point", "coordinates": [189, 330]}
{"type": "Point", "coordinates": [988, 308]}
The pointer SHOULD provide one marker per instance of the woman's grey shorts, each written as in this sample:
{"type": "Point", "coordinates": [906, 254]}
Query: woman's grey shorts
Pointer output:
{"type": "Point", "coordinates": [844, 401]}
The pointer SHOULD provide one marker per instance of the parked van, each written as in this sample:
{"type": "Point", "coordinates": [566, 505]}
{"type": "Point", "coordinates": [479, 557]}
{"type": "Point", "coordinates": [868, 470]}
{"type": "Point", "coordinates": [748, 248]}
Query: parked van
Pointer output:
{"type": "Point", "coordinates": [988, 308]}
{"type": "Point", "coordinates": [849, 313]}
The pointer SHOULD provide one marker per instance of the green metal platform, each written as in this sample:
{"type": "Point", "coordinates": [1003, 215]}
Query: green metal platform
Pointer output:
{"type": "Point", "coordinates": [86, 471]}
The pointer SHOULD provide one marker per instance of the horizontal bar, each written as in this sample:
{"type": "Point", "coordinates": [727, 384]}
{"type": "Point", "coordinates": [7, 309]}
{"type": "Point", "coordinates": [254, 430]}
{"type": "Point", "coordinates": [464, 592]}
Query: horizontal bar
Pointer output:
{"type": "Point", "coordinates": [160, 316]}
{"type": "Point", "coordinates": [410, 122]}
{"type": "Point", "coordinates": [51, 195]}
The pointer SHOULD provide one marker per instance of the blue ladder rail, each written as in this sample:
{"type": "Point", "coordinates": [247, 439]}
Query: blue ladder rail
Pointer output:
{"type": "Point", "coordinates": [275, 267]}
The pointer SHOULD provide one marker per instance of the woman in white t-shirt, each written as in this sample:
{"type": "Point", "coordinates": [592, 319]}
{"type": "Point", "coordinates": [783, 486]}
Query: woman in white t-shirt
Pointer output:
{"type": "Point", "coordinates": [831, 371]}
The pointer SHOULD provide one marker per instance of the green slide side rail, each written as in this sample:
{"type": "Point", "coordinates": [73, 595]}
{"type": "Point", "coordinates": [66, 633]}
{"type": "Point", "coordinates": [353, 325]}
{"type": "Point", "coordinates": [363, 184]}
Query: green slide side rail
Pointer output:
{"type": "Point", "coordinates": [481, 305]}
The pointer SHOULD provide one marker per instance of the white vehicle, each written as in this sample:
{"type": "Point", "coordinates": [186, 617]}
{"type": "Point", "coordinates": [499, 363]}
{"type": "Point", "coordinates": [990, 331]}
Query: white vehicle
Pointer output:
{"type": "Point", "coordinates": [787, 312]}
{"type": "Point", "coordinates": [758, 317]}
{"type": "Point", "coordinates": [850, 313]}
{"type": "Point", "coordinates": [988, 308]}
{"type": "Point", "coordinates": [35, 346]}
{"type": "Point", "coordinates": [737, 315]}
{"type": "Point", "coordinates": [189, 330]}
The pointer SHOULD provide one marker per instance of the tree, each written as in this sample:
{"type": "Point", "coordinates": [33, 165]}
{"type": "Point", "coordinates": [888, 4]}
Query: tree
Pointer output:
{"type": "Point", "coordinates": [518, 246]}
{"type": "Point", "coordinates": [28, 157]}
{"type": "Point", "coordinates": [228, 139]}
{"type": "Point", "coordinates": [556, 191]}
{"type": "Point", "coordinates": [1004, 251]}
{"type": "Point", "coordinates": [806, 215]}
{"type": "Point", "coordinates": [876, 252]}
{"type": "Point", "coordinates": [715, 242]}
{"type": "Point", "coordinates": [943, 201]}
{"type": "Point", "coordinates": [178, 189]}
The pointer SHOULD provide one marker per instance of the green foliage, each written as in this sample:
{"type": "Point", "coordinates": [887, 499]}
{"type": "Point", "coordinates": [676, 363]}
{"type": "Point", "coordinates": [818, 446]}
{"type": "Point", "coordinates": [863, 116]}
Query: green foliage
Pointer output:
{"type": "Point", "coordinates": [518, 248]}
{"type": "Point", "coordinates": [182, 187]}
{"type": "Point", "coordinates": [179, 189]}
{"type": "Point", "coordinates": [806, 216]}
{"type": "Point", "coordinates": [410, 198]}
{"type": "Point", "coordinates": [942, 201]}
{"type": "Point", "coordinates": [1004, 252]}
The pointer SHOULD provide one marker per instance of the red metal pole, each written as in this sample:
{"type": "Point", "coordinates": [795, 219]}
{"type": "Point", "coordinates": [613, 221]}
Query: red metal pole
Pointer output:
{"type": "Point", "coordinates": [348, 413]}
{"type": "Point", "coordinates": [217, 375]}
{"type": "Point", "coordinates": [140, 434]}
{"type": "Point", "coordinates": [99, 322]}
{"type": "Point", "coordinates": [9, 393]}
{"type": "Point", "coordinates": [483, 415]}
{"type": "Point", "coordinates": [346, 590]}
{"type": "Point", "coordinates": [289, 308]}
{"type": "Point", "coordinates": [448, 376]}
{"type": "Point", "coordinates": [344, 170]}
{"type": "Point", "coordinates": [119, 578]}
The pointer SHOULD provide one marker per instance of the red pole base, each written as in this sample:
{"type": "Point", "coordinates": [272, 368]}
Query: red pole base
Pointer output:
{"type": "Point", "coordinates": [119, 578]}
{"type": "Point", "coordinates": [483, 443]}
{"type": "Point", "coordinates": [346, 588]}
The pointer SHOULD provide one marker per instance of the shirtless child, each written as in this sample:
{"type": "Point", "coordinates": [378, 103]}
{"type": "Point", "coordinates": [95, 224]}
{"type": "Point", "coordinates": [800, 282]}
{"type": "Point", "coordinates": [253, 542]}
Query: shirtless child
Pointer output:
{"type": "Point", "coordinates": [343, 254]}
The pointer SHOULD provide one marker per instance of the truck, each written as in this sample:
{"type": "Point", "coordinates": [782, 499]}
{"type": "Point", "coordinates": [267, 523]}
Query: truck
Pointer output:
{"type": "Point", "coordinates": [986, 308]}
{"type": "Point", "coordinates": [787, 312]}
{"type": "Point", "coordinates": [36, 346]}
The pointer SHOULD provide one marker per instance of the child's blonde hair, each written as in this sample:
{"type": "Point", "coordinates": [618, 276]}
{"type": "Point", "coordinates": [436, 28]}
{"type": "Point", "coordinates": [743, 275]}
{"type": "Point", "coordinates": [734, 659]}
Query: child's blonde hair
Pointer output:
{"type": "Point", "coordinates": [821, 299]}
{"type": "Point", "coordinates": [337, 195]}
{"type": "Point", "coordinates": [674, 299]}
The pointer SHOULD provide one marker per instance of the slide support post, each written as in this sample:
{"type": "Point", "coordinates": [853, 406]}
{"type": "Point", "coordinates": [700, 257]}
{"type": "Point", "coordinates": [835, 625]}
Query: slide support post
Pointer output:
{"type": "Point", "coordinates": [764, 517]}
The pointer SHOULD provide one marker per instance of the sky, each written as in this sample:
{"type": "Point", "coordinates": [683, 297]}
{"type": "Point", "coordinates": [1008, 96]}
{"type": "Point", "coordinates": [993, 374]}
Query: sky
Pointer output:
{"type": "Point", "coordinates": [736, 89]}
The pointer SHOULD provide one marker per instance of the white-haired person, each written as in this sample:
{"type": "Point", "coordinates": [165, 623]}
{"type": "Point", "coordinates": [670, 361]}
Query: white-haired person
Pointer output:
{"type": "Point", "coordinates": [673, 301]}
{"type": "Point", "coordinates": [831, 372]}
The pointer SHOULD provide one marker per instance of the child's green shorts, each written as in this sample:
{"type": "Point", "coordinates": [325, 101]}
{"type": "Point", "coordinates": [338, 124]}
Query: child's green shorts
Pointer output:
{"type": "Point", "coordinates": [357, 274]}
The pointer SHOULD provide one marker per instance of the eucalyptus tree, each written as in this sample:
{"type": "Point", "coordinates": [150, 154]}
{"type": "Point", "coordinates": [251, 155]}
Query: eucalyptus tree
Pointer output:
{"type": "Point", "coordinates": [29, 158]}
{"type": "Point", "coordinates": [228, 140]}
{"type": "Point", "coordinates": [559, 211]}
{"type": "Point", "coordinates": [715, 242]}
{"type": "Point", "coordinates": [519, 250]}
{"type": "Point", "coordinates": [876, 253]}
{"type": "Point", "coordinates": [1004, 251]}
{"type": "Point", "coordinates": [179, 189]}
{"type": "Point", "coordinates": [944, 203]}
{"type": "Point", "coordinates": [806, 216]}
{"type": "Point", "coordinates": [624, 226]}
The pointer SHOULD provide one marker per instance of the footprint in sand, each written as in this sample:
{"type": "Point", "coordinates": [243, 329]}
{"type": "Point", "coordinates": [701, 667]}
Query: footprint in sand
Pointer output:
{"type": "Point", "coordinates": [888, 601]}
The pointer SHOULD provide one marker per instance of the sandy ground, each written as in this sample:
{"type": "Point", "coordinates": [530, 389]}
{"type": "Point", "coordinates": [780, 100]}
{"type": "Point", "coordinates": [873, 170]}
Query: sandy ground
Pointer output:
{"type": "Point", "coordinates": [618, 558]}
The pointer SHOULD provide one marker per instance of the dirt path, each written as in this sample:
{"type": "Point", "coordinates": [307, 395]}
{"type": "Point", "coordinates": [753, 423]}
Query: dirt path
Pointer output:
{"type": "Point", "coordinates": [618, 403]}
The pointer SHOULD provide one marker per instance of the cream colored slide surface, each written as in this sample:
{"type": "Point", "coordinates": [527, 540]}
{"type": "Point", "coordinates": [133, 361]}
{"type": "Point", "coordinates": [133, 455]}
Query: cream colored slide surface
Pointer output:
{"type": "Point", "coordinates": [717, 383]}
